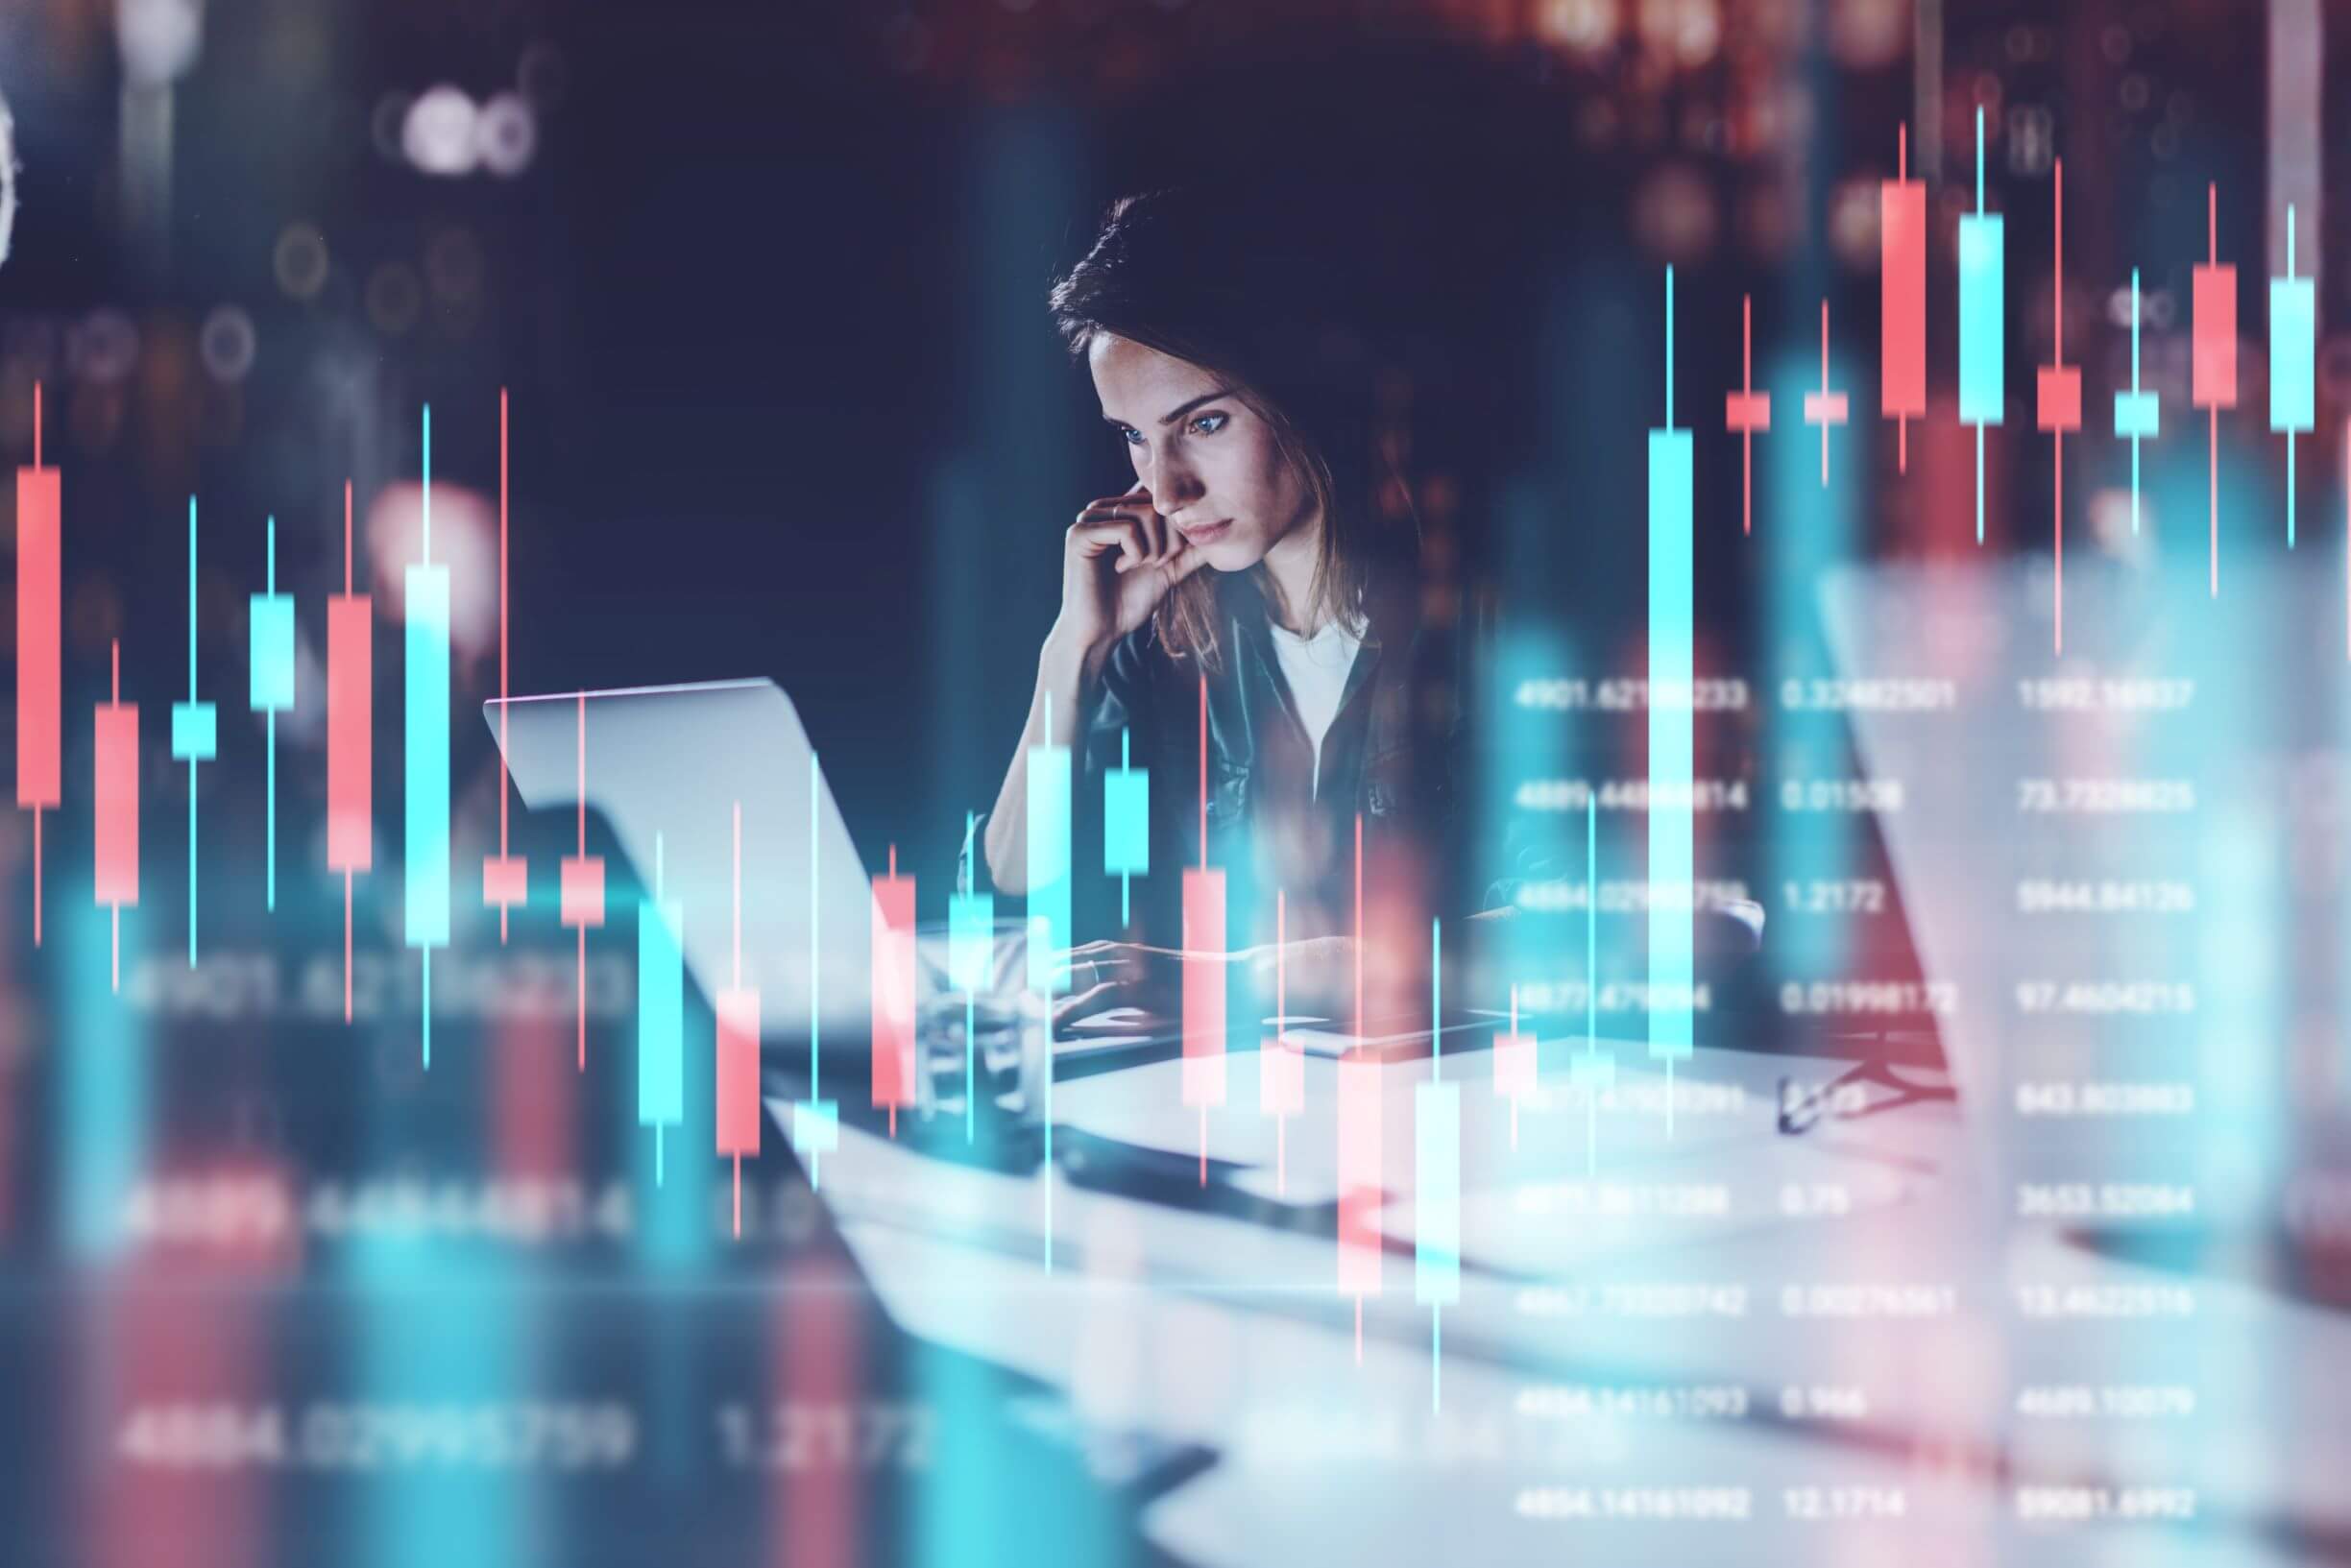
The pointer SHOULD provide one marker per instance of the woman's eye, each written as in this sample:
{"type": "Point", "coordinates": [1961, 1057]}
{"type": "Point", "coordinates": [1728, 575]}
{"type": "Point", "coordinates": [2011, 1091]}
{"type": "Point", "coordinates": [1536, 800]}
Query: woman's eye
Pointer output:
{"type": "Point", "coordinates": [1211, 430]}
{"type": "Point", "coordinates": [1131, 435]}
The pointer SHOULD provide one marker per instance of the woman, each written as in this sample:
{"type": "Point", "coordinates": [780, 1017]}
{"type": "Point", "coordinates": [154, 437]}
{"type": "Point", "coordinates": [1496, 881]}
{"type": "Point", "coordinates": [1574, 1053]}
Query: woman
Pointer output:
{"type": "Point", "coordinates": [1251, 628]}
{"type": "Point", "coordinates": [1245, 591]}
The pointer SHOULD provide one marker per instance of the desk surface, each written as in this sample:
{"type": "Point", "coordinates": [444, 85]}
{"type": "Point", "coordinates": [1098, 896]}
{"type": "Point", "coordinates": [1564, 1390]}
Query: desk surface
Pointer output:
{"type": "Point", "coordinates": [1655, 1336]}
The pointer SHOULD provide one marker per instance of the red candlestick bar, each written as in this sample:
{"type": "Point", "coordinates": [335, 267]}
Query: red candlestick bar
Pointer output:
{"type": "Point", "coordinates": [1203, 996]}
{"type": "Point", "coordinates": [1747, 411]}
{"type": "Point", "coordinates": [505, 875]}
{"type": "Point", "coordinates": [738, 1065]}
{"type": "Point", "coordinates": [1360, 1193]}
{"type": "Point", "coordinates": [1513, 1065]}
{"type": "Point", "coordinates": [583, 886]}
{"type": "Point", "coordinates": [350, 720]}
{"type": "Point", "coordinates": [1203, 966]}
{"type": "Point", "coordinates": [1902, 264]}
{"type": "Point", "coordinates": [39, 704]}
{"type": "Point", "coordinates": [2060, 395]}
{"type": "Point", "coordinates": [2212, 366]}
{"type": "Point", "coordinates": [1281, 1068]}
{"type": "Point", "coordinates": [114, 796]}
{"type": "Point", "coordinates": [739, 1105]}
{"type": "Point", "coordinates": [1825, 408]}
{"type": "Point", "coordinates": [894, 990]}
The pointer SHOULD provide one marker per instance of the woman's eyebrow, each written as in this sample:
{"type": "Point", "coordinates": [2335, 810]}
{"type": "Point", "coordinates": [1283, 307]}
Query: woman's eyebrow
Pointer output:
{"type": "Point", "coordinates": [1174, 414]}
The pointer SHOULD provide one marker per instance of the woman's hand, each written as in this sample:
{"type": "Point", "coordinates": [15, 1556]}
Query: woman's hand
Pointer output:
{"type": "Point", "coordinates": [1121, 558]}
{"type": "Point", "coordinates": [1118, 560]}
{"type": "Point", "coordinates": [1107, 974]}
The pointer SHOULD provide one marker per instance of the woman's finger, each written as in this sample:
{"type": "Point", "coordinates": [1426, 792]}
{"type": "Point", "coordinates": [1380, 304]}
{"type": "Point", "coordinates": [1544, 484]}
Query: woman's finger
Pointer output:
{"type": "Point", "coordinates": [1185, 560]}
{"type": "Point", "coordinates": [1158, 537]}
{"type": "Point", "coordinates": [1092, 961]}
{"type": "Point", "coordinates": [1117, 523]}
{"type": "Point", "coordinates": [1101, 952]}
{"type": "Point", "coordinates": [1097, 536]}
{"type": "Point", "coordinates": [1079, 971]}
{"type": "Point", "coordinates": [1121, 505]}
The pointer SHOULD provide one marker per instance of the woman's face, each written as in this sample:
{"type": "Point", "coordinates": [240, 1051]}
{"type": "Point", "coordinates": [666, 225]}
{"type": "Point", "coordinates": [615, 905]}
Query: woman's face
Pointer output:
{"type": "Point", "coordinates": [1211, 464]}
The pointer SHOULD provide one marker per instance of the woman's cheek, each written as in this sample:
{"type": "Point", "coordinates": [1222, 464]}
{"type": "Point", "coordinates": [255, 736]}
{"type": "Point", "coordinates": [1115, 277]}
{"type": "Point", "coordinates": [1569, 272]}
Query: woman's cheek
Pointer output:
{"type": "Point", "coordinates": [1273, 473]}
{"type": "Point", "coordinates": [1245, 482]}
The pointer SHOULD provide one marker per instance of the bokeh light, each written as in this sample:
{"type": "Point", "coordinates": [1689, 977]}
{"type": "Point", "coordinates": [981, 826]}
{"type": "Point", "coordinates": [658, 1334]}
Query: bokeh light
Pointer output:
{"type": "Point", "coordinates": [1686, 32]}
{"type": "Point", "coordinates": [395, 298]}
{"type": "Point", "coordinates": [438, 135]}
{"type": "Point", "coordinates": [464, 539]}
{"type": "Point", "coordinates": [1674, 213]}
{"type": "Point", "coordinates": [506, 133]}
{"type": "Point", "coordinates": [103, 347]}
{"type": "Point", "coordinates": [1869, 35]}
{"type": "Point", "coordinates": [385, 123]}
{"type": "Point", "coordinates": [228, 344]}
{"type": "Point", "coordinates": [300, 261]}
{"type": "Point", "coordinates": [159, 38]}
{"type": "Point", "coordinates": [1585, 26]}
{"type": "Point", "coordinates": [7, 177]}
{"type": "Point", "coordinates": [1853, 224]}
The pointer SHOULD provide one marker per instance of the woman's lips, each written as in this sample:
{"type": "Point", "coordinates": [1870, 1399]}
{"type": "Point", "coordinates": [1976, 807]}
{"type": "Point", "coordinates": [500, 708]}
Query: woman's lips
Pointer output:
{"type": "Point", "coordinates": [1208, 535]}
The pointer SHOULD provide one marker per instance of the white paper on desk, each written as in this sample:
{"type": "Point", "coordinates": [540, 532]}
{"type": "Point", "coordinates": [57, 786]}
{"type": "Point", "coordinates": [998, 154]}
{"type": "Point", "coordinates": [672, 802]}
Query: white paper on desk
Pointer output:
{"type": "Point", "coordinates": [1127, 1021]}
{"type": "Point", "coordinates": [1122, 1028]}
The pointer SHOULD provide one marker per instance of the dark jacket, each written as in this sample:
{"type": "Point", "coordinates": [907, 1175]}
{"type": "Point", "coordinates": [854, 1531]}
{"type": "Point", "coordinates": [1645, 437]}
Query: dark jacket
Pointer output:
{"type": "Point", "coordinates": [1399, 753]}
{"type": "Point", "coordinates": [1406, 753]}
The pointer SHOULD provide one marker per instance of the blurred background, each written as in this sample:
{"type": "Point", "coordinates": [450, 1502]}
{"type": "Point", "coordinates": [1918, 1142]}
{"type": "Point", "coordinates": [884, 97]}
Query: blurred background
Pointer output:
{"type": "Point", "coordinates": [749, 302]}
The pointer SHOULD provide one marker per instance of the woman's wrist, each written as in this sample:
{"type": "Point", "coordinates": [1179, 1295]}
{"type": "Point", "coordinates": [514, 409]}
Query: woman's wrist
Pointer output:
{"type": "Point", "coordinates": [1069, 658]}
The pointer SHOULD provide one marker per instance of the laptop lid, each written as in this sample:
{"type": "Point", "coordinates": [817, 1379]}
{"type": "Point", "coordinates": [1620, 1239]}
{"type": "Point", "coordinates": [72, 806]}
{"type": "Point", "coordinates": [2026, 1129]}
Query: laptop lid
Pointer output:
{"type": "Point", "coordinates": [668, 768]}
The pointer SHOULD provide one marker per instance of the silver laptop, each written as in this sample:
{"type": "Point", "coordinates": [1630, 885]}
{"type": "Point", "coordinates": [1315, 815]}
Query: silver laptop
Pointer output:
{"type": "Point", "coordinates": [670, 768]}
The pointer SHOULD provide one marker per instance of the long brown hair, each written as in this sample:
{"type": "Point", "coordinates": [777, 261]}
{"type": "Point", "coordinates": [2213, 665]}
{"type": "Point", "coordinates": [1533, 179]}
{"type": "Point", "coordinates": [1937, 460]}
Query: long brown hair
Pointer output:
{"type": "Point", "coordinates": [1247, 289]}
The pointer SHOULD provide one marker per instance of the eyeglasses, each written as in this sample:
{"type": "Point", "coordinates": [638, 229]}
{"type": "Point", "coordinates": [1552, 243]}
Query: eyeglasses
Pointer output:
{"type": "Point", "coordinates": [1868, 1088]}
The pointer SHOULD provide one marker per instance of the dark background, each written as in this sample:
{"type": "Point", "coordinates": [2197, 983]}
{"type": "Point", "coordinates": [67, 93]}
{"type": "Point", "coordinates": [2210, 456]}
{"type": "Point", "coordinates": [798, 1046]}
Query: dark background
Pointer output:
{"type": "Point", "coordinates": [769, 302]}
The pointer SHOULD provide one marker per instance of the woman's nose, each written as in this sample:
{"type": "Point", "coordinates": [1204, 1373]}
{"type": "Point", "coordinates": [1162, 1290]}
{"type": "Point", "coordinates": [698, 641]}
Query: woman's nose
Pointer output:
{"type": "Point", "coordinates": [1174, 484]}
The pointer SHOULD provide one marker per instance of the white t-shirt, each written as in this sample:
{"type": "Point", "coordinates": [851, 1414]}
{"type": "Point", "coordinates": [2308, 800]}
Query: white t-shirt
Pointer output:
{"type": "Point", "coordinates": [1317, 669]}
